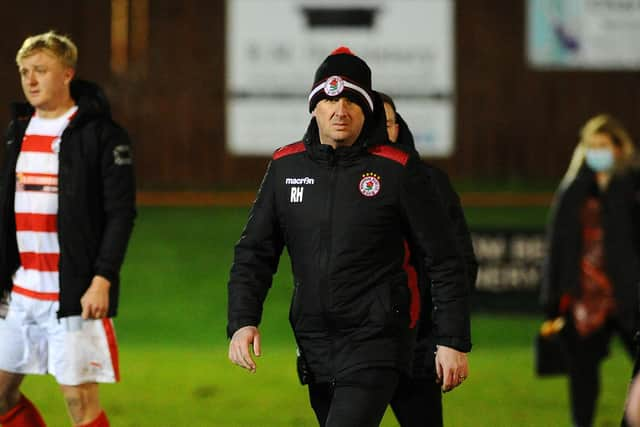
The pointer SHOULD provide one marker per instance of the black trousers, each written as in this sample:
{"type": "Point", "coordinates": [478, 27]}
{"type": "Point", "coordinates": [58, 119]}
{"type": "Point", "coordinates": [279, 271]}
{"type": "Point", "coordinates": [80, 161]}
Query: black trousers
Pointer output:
{"type": "Point", "coordinates": [359, 399]}
{"type": "Point", "coordinates": [585, 356]}
{"type": "Point", "coordinates": [418, 403]}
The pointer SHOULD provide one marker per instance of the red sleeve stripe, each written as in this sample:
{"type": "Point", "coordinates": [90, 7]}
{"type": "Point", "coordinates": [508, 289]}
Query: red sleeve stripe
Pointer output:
{"type": "Point", "coordinates": [39, 262]}
{"type": "Point", "coordinates": [37, 143]}
{"type": "Point", "coordinates": [113, 346]}
{"type": "Point", "coordinates": [412, 284]}
{"type": "Point", "coordinates": [47, 223]}
{"type": "Point", "coordinates": [288, 150]}
{"type": "Point", "coordinates": [390, 153]}
{"type": "Point", "coordinates": [46, 296]}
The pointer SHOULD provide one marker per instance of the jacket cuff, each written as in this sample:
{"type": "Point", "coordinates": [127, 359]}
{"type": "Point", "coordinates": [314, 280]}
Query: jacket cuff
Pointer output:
{"type": "Point", "coordinates": [461, 344]}
{"type": "Point", "coordinates": [108, 274]}
{"type": "Point", "coordinates": [232, 327]}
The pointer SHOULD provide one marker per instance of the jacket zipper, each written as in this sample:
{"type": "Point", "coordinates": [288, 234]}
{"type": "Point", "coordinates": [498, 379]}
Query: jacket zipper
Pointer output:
{"type": "Point", "coordinates": [328, 294]}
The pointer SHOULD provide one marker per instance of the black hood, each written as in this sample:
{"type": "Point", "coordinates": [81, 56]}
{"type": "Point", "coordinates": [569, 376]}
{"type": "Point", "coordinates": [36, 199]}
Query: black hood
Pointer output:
{"type": "Point", "coordinates": [90, 98]}
{"type": "Point", "coordinates": [405, 137]}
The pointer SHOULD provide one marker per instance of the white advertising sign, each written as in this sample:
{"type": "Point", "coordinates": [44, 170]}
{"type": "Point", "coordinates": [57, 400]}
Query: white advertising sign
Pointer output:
{"type": "Point", "coordinates": [588, 34]}
{"type": "Point", "coordinates": [274, 48]}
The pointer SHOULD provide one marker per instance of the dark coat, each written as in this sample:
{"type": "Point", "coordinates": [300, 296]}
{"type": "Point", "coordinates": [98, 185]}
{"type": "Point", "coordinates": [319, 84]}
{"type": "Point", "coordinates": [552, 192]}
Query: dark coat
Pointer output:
{"type": "Point", "coordinates": [620, 216]}
{"type": "Point", "coordinates": [355, 295]}
{"type": "Point", "coordinates": [424, 360]}
{"type": "Point", "coordinates": [96, 198]}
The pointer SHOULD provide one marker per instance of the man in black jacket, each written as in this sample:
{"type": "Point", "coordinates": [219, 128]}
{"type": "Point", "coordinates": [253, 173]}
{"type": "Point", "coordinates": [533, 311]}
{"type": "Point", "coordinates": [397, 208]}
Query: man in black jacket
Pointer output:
{"type": "Point", "coordinates": [348, 206]}
{"type": "Point", "coordinates": [418, 399]}
{"type": "Point", "coordinates": [67, 206]}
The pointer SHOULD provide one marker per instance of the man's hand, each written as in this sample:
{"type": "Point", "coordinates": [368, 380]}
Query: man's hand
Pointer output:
{"type": "Point", "coordinates": [239, 352]}
{"type": "Point", "coordinates": [95, 302]}
{"type": "Point", "coordinates": [632, 406]}
{"type": "Point", "coordinates": [451, 367]}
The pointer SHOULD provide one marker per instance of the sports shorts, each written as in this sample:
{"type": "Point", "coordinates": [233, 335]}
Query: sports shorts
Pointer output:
{"type": "Point", "coordinates": [75, 351]}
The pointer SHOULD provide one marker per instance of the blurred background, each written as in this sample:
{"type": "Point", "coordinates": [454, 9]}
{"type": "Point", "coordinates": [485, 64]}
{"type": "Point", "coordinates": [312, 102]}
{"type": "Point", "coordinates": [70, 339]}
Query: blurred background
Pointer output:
{"type": "Point", "coordinates": [495, 92]}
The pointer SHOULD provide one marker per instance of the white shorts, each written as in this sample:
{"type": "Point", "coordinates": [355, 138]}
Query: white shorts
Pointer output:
{"type": "Point", "coordinates": [75, 351]}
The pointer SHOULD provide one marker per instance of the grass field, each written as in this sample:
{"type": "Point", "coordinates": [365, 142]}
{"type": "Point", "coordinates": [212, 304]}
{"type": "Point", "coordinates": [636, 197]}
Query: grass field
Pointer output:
{"type": "Point", "coordinates": [173, 347]}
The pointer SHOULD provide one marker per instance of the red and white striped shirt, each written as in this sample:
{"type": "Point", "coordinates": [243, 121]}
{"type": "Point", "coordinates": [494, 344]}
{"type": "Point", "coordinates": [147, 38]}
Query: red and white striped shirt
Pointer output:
{"type": "Point", "coordinates": [36, 208]}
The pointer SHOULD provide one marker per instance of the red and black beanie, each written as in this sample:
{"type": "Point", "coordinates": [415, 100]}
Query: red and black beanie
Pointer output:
{"type": "Point", "coordinates": [343, 73]}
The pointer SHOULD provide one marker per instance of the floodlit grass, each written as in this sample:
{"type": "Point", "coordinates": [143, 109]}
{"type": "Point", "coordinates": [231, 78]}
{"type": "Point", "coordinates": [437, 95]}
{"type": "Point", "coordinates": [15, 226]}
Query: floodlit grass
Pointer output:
{"type": "Point", "coordinates": [176, 385]}
{"type": "Point", "coordinates": [173, 347]}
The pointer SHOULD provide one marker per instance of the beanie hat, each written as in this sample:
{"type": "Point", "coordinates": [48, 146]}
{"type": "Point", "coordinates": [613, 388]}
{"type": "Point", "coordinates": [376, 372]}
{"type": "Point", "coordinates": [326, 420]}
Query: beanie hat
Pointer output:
{"type": "Point", "coordinates": [342, 73]}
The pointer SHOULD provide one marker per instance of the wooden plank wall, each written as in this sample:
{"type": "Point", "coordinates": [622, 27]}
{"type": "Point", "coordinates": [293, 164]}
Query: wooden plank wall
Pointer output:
{"type": "Point", "coordinates": [512, 122]}
{"type": "Point", "coordinates": [88, 23]}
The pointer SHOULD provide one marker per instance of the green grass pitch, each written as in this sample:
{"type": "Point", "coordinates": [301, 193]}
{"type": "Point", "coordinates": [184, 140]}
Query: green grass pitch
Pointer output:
{"type": "Point", "coordinates": [173, 348]}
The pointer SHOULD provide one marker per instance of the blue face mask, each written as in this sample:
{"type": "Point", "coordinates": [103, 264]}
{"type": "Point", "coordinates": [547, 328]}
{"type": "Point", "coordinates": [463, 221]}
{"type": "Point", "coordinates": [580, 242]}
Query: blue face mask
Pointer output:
{"type": "Point", "coordinates": [599, 159]}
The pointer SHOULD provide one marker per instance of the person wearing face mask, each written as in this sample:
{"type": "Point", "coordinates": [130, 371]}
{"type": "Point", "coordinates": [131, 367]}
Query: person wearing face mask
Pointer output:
{"type": "Point", "coordinates": [592, 269]}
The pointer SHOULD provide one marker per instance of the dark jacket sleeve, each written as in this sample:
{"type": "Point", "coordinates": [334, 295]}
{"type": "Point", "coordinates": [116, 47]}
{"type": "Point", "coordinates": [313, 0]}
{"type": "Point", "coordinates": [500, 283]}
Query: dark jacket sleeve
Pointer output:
{"type": "Point", "coordinates": [453, 208]}
{"type": "Point", "coordinates": [9, 260]}
{"type": "Point", "coordinates": [431, 232]}
{"type": "Point", "coordinates": [256, 258]}
{"type": "Point", "coordinates": [119, 198]}
{"type": "Point", "coordinates": [550, 288]}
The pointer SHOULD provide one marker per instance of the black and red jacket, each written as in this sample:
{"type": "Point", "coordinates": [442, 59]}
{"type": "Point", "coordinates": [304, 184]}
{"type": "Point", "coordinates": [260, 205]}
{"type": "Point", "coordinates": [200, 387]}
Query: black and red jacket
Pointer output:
{"type": "Point", "coordinates": [347, 217]}
{"type": "Point", "coordinates": [96, 198]}
{"type": "Point", "coordinates": [424, 359]}
{"type": "Point", "coordinates": [620, 210]}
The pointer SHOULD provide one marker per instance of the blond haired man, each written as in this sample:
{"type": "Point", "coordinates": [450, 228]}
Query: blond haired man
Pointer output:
{"type": "Point", "coordinates": [66, 213]}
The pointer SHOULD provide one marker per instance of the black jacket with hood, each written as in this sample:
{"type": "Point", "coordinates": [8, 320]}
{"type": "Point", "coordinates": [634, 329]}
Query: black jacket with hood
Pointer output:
{"type": "Point", "coordinates": [96, 198]}
{"type": "Point", "coordinates": [347, 217]}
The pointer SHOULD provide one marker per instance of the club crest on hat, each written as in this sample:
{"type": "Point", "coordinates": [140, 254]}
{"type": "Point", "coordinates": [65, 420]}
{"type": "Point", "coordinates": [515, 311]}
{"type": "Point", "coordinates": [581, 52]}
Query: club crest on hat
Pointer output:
{"type": "Point", "coordinates": [369, 184]}
{"type": "Point", "coordinates": [334, 86]}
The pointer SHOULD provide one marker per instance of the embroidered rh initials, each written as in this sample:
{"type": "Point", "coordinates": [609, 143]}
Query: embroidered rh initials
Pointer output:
{"type": "Point", "coordinates": [296, 194]}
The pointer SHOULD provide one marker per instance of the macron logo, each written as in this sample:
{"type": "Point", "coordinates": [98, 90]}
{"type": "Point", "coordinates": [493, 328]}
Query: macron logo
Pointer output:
{"type": "Point", "coordinates": [296, 192]}
{"type": "Point", "coordinates": [299, 181]}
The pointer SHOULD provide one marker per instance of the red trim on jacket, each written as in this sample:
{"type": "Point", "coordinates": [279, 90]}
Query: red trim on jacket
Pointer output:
{"type": "Point", "coordinates": [287, 150]}
{"type": "Point", "coordinates": [412, 284]}
{"type": "Point", "coordinates": [566, 301]}
{"type": "Point", "coordinates": [391, 153]}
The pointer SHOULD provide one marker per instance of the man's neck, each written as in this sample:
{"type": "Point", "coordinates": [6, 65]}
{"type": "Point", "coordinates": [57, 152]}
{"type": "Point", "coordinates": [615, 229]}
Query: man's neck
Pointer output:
{"type": "Point", "coordinates": [56, 112]}
{"type": "Point", "coordinates": [337, 144]}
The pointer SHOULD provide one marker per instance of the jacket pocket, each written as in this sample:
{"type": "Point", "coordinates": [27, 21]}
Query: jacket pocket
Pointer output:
{"type": "Point", "coordinates": [390, 308]}
{"type": "Point", "coordinates": [305, 314]}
